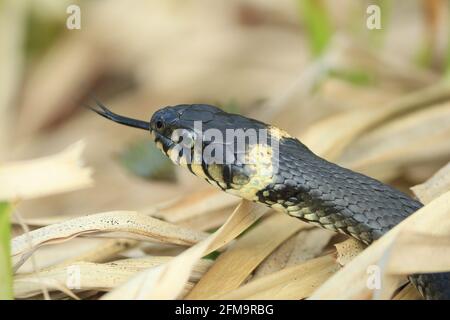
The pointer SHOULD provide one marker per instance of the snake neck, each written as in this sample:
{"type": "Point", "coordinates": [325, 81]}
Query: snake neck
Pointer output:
{"type": "Point", "coordinates": [314, 190]}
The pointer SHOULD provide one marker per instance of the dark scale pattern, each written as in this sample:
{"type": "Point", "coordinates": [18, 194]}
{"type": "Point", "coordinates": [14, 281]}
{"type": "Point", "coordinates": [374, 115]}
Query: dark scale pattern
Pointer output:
{"type": "Point", "coordinates": [334, 196]}
{"type": "Point", "coordinates": [310, 188]}
{"type": "Point", "coordinates": [342, 200]}
{"type": "Point", "coordinates": [435, 286]}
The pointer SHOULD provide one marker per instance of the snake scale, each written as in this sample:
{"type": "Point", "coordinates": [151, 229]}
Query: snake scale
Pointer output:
{"type": "Point", "coordinates": [284, 175]}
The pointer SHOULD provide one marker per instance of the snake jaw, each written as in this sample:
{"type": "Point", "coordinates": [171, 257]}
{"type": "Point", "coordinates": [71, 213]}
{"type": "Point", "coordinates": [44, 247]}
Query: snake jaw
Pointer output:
{"type": "Point", "coordinates": [162, 142]}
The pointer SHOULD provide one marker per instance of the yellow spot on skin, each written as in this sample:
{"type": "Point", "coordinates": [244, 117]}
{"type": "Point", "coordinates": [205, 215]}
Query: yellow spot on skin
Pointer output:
{"type": "Point", "coordinates": [198, 171]}
{"type": "Point", "coordinates": [172, 156]}
{"type": "Point", "coordinates": [223, 185]}
{"type": "Point", "coordinates": [311, 216]}
{"type": "Point", "coordinates": [304, 211]}
{"type": "Point", "coordinates": [330, 227]}
{"type": "Point", "coordinates": [325, 220]}
{"type": "Point", "coordinates": [215, 171]}
{"type": "Point", "coordinates": [240, 179]}
{"type": "Point", "coordinates": [259, 158]}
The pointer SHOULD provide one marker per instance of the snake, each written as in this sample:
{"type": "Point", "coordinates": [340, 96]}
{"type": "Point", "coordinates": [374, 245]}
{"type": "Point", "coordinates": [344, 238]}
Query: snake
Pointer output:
{"type": "Point", "coordinates": [279, 171]}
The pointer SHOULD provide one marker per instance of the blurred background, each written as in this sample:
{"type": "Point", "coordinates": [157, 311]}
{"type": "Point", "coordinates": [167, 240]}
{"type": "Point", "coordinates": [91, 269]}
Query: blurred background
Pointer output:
{"type": "Point", "coordinates": [292, 63]}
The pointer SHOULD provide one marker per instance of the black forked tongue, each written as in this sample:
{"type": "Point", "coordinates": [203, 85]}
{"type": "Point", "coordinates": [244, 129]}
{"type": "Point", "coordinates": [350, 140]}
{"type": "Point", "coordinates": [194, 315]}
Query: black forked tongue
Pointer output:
{"type": "Point", "coordinates": [105, 112]}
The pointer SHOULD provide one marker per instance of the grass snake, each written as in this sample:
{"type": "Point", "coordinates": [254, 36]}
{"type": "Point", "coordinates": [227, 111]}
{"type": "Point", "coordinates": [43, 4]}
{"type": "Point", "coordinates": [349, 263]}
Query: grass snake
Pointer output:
{"type": "Point", "coordinates": [282, 173]}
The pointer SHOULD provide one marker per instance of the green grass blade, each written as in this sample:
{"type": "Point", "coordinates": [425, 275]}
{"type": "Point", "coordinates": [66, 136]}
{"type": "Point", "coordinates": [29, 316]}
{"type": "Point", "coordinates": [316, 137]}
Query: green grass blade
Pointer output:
{"type": "Point", "coordinates": [354, 76]}
{"type": "Point", "coordinates": [6, 284]}
{"type": "Point", "coordinates": [317, 23]}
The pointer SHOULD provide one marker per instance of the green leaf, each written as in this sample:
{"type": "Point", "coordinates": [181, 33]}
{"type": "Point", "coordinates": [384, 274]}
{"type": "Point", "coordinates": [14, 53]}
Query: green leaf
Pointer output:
{"type": "Point", "coordinates": [212, 256]}
{"type": "Point", "coordinates": [6, 282]}
{"type": "Point", "coordinates": [354, 76]}
{"type": "Point", "coordinates": [144, 159]}
{"type": "Point", "coordinates": [317, 23]}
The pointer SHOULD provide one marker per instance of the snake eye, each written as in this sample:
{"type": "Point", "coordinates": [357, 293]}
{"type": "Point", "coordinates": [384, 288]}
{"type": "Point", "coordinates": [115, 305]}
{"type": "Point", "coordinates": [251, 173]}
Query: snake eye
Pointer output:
{"type": "Point", "coordinates": [159, 124]}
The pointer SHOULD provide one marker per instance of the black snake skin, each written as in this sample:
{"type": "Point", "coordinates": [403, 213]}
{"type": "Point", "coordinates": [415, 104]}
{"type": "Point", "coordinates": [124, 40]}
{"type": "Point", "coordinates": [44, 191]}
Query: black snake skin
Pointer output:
{"type": "Point", "coordinates": [303, 184]}
{"type": "Point", "coordinates": [342, 200]}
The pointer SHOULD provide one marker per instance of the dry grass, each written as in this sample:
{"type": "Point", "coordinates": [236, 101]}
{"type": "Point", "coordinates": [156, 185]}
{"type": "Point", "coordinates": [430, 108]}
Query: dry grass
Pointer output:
{"type": "Point", "coordinates": [85, 226]}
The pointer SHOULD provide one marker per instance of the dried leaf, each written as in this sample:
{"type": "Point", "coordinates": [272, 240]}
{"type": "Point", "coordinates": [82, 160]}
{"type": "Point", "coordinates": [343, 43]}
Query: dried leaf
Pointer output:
{"type": "Point", "coordinates": [408, 293]}
{"type": "Point", "coordinates": [235, 265]}
{"type": "Point", "coordinates": [435, 186]}
{"type": "Point", "coordinates": [350, 282]}
{"type": "Point", "coordinates": [197, 204]}
{"type": "Point", "coordinates": [420, 136]}
{"type": "Point", "coordinates": [409, 246]}
{"type": "Point", "coordinates": [93, 276]}
{"type": "Point", "coordinates": [296, 282]}
{"type": "Point", "coordinates": [116, 221]}
{"type": "Point", "coordinates": [305, 245]}
{"type": "Point", "coordinates": [49, 284]}
{"type": "Point", "coordinates": [167, 281]}
{"type": "Point", "coordinates": [347, 250]}
{"type": "Point", "coordinates": [103, 252]}
{"type": "Point", "coordinates": [325, 140]}
{"type": "Point", "coordinates": [37, 178]}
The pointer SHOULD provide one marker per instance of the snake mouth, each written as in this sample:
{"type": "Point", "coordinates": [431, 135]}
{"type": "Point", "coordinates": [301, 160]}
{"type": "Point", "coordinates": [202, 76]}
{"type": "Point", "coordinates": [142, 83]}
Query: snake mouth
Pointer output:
{"type": "Point", "coordinates": [162, 142]}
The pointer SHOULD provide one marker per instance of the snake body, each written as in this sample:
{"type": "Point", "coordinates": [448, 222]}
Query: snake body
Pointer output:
{"type": "Point", "coordinates": [301, 183]}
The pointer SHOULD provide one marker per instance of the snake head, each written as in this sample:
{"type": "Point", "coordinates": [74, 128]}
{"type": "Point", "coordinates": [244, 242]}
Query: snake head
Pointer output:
{"type": "Point", "coordinates": [181, 126]}
{"type": "Point", "coordinates": [227, 150]}
{"type": "Point", "coordinates": [190, 131]}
